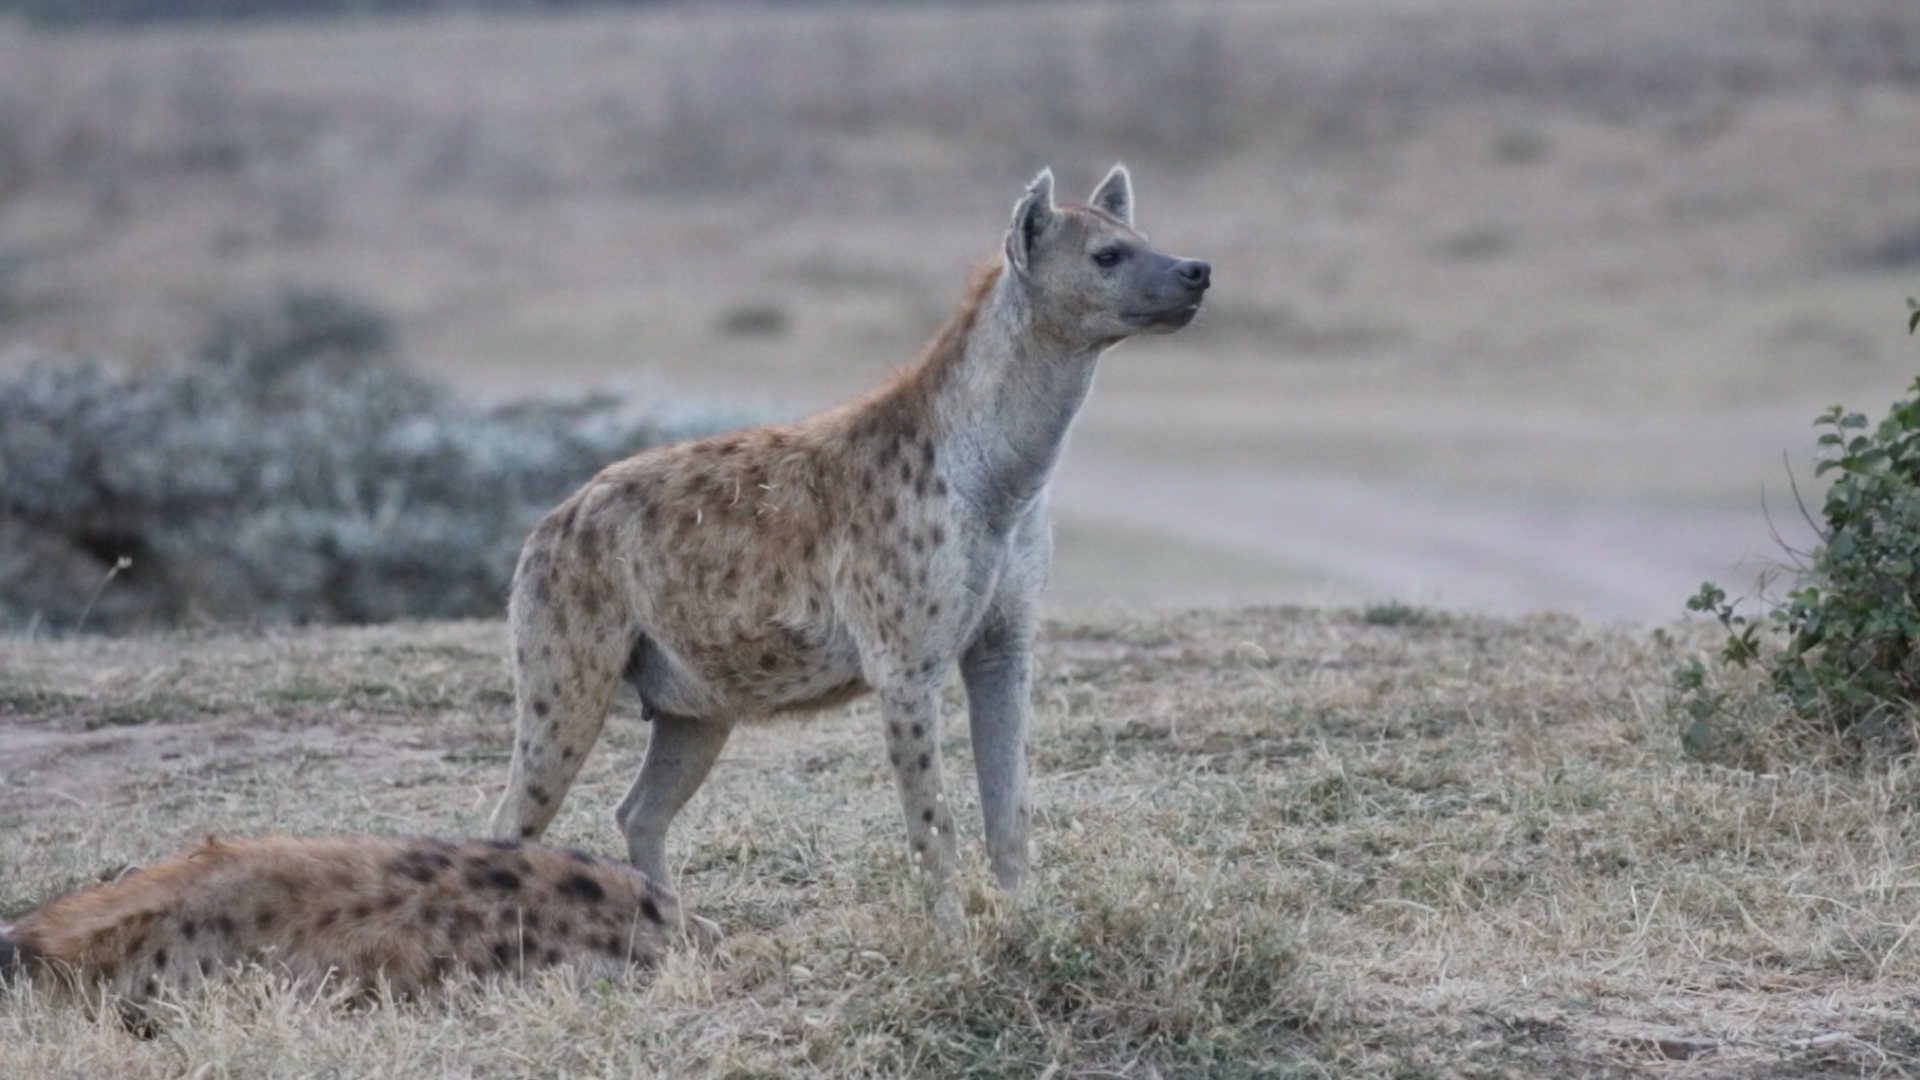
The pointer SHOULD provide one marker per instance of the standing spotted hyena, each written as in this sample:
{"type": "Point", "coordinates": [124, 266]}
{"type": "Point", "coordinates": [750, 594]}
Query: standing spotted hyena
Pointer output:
{"type": "Point", "coordinates": [358, 910]}
{"type": "Point", "coordinates": [788, 568]}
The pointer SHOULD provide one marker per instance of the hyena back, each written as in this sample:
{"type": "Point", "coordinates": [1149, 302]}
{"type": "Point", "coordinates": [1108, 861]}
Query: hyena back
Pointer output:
{"type": "Point", "coordinates": [787, 568]}
{"type": "Point", "coordinates": [358, 910]}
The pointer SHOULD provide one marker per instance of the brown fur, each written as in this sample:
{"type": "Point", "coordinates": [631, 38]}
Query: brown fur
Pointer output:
{"type": "Point", "coordinates": [356, 910]}
{"type": "Point", "coordinates": [788, 568]}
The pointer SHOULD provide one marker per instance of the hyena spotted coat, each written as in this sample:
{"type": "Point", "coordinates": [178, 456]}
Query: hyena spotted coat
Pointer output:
{"type": "Point", "coordinates": [788, 568]}
{"type": "Point", "coordinates": [356, 910]}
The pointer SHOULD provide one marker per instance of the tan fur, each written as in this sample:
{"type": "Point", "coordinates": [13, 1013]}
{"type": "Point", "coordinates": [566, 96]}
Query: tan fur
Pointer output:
{"type": "Point", "coordinates": [789, 568]}
{"type": "Point", "coordinates": [355, 910]}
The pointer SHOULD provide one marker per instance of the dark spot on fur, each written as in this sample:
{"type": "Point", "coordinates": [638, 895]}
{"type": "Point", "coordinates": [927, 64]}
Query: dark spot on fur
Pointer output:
{"type": "Point", "coordinates": [502, 952]}
{"type": "Point", "coordinates": [326, 918]}
{"type": "Point", "coordinates": [652, 911]}
{"type": "Point", "coordinates": [390, 901]}
{"type": "Point", "coordinates": [264, 919]}
{"type": "Point", "coordinates": [612, 947]}
{"type": "Point", "coordinates": [526, 831]}
{"type": "Point", "coordinates": [933, 609]}
{"type": "Point", "coordinates": [938, 535]}
{"type": "Point", "coordinates": [926, 816]}
{"type": "Point", "coordinates": [540, 707]}
{"type": "Point", "coordinates": [582, 888]}
{"type": "Point", "coordinates": [769, 661]}
{"type": "Point", "coordinates": [223, 925]}
{"type": "Point", "coordinates": [920, 846]}
{"type": "Point", "coordinates": [566, 753]}
{"type": "Point", "coordinates": [361, 911]}
{"type": "Point", "coordinates": [206, 965]}
{"type": "Point", "coordinates": [893, 728]}
{"type": "Point", "coordinates": [926, 762]}
{"type": "Point", "coordinates": [188, 929]}
{"type": "Point", "coordinates": [893, 759]}
{"type": "Point", "coordinates": [552, 957]}
{"type": "Point", "coordinates": [538, 795]}
{"type": "Point", "coordinates": [919, 731]}
{"type": "Point", "coordinates": [482, 876]}
{"type": "Point", "coordinates": [462, 922]}
{"type": "Point", "coordinates": [420, 866]}
{"type": "Point", "coordinates": [159, 959]}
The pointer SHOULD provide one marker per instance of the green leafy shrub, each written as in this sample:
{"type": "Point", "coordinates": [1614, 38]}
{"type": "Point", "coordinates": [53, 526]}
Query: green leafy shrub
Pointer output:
{"type": "Point", "coordinates": [292, 473]}
{"type": "Point", "coordinates": [1844, 644]}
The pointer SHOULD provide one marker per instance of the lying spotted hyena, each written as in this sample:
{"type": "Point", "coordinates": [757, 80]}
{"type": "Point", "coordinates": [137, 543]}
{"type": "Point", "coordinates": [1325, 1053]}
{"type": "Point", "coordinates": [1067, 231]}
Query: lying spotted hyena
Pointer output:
{"type": "Point", "coordinates": [354, 910]}
{"type": "Point", "coordinates": [789, 568]}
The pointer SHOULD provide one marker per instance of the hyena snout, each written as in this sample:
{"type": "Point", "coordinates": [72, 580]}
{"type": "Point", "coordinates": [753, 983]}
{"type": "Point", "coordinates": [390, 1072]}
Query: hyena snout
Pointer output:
{"type": "Point", "coordinates": [1173, 294]}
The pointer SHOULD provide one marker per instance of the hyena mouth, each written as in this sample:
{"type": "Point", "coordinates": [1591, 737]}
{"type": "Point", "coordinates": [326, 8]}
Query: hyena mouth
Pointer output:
{"type": "Point", "coordinates": [1167, 318]}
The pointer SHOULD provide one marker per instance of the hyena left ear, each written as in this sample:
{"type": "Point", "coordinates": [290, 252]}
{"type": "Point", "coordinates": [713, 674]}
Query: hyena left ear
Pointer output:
{"type": "Point", "coordinates": [1115, 194]}
{"type": "Point", "coordinates": [1032, 216]}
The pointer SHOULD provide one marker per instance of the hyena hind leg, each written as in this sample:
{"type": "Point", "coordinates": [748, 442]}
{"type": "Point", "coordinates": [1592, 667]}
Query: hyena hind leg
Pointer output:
{"type": "Point", "coordinates": [563, 687]}
{"type": "Point", "coordinates": [680, 752]}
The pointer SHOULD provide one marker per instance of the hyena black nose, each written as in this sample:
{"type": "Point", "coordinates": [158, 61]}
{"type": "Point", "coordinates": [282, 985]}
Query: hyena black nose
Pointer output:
{"type": "Point", "coordinates": [1194, 274]}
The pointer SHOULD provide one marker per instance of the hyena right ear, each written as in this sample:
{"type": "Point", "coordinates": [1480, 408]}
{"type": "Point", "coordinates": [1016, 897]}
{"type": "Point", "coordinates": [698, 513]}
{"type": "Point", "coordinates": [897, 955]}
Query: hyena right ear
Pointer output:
{"type": "Point", "coordinates": [1032, 217]}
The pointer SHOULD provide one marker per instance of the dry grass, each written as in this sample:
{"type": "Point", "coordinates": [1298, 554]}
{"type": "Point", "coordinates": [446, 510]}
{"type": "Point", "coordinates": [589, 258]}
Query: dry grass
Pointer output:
{"type": "Point", "coordinates": [1273, 842]}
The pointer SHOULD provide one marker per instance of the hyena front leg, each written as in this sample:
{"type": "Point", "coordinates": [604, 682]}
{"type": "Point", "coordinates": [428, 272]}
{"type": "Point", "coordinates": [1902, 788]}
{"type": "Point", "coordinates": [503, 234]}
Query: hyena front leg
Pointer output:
{"type": "Point", "coordinates": [912, 716]}
{"type": "Point", "coordinates": [997, 671]}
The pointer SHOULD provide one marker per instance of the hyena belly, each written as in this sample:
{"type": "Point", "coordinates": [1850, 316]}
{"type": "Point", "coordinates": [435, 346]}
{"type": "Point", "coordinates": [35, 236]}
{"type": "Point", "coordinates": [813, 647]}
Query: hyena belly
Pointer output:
{"type": "Point", "coordinates": [359, 911]}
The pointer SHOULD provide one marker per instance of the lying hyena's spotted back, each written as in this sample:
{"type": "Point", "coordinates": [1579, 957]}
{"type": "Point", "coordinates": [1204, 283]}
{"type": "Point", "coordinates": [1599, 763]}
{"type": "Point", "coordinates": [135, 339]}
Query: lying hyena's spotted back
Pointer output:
{"type": "Point", "coordinates": [356, 910]}
{"type": "Point", "coordinates": [788, 568]}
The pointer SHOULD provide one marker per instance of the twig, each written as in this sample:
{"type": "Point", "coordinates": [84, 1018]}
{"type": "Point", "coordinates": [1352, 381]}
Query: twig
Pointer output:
{"type": "Point", "coordinates": [119, 564]}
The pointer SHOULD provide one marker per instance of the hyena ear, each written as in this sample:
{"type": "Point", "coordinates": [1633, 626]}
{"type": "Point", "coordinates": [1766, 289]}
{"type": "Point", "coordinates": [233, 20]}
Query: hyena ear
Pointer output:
{"type": "Point", "coordinates": [1115, 194]}
{"type": "Point", "coordinates": [1032, 217]}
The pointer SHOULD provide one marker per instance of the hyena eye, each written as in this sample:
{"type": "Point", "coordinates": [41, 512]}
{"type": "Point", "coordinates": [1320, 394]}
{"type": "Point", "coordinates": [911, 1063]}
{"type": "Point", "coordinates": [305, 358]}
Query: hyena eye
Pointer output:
{"type": "Point", "coordinates": [1106, 258]}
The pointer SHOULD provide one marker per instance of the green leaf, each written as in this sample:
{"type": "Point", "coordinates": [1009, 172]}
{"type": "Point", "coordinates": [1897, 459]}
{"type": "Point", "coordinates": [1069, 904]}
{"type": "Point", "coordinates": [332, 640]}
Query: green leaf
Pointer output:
{"type": "Point", "coordinates": [1698, 738]}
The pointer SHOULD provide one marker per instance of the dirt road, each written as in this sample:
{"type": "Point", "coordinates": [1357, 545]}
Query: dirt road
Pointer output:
{"type": "Point", "coordinates": [1348, 540]}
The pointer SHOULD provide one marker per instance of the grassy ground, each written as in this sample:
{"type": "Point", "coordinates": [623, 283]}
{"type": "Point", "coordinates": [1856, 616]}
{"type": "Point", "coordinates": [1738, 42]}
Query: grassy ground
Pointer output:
{"type": "Point", "coordinates": [1271, 842]}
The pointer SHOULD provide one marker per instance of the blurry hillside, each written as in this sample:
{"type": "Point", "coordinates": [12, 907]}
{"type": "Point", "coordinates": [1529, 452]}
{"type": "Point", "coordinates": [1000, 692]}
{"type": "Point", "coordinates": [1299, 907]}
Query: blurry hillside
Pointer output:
{"type": "Point", "coordinates": [1517, 304]}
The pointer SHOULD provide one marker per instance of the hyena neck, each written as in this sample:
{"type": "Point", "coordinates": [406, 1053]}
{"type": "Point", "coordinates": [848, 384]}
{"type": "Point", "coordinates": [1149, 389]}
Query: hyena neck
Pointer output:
{"type": "Point", "coordinates": [1001, 396]}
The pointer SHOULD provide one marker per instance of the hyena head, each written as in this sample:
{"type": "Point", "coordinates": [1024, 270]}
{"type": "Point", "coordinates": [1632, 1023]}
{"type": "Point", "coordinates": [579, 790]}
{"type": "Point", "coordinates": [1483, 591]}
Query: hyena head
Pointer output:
{"type": "Point", "coordinates": [1090, 278]}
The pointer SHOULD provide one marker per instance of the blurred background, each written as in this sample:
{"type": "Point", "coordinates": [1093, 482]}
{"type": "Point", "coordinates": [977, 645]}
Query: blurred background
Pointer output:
{"type": "Point", "coordinates": [308, 307]}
